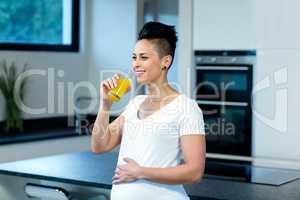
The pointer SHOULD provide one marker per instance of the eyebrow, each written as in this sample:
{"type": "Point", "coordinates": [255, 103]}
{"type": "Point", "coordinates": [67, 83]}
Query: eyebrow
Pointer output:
{"type": "Point", "coordinates": [141, 54]}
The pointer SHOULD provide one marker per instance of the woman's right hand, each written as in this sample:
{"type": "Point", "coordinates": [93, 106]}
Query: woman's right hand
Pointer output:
{"type": "Point", "coordinates": [106, 86]}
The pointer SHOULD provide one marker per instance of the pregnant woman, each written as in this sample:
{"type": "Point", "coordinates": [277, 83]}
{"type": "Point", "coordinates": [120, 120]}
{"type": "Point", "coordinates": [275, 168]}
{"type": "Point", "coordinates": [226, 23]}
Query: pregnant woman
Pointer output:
{"type": "Point", "coordinates": [161, 134]}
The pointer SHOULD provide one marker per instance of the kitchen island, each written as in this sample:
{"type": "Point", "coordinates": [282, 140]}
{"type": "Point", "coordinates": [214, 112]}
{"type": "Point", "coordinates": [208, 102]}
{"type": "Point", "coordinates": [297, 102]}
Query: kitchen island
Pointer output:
{"type": "Point", "coordinates": [87, 175]}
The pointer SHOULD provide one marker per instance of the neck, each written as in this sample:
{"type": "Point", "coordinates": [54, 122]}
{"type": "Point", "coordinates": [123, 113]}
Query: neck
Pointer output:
{"type": "Point", "coordinates": [158, 90]}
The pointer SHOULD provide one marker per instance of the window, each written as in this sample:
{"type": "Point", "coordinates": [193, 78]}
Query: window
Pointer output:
{"type": "Point", "coordinates": [43, 25]}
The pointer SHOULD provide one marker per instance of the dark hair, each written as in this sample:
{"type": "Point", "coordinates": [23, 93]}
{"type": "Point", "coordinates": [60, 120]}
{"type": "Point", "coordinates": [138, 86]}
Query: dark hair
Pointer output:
{"type": "Point", "coordinates": [164, 36]}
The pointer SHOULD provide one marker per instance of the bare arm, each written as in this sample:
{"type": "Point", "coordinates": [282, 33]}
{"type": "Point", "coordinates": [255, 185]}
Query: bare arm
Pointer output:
{"type": "Point", "coordinates": [106, 136]}
{"type": "Point", "coordinates": [191, 171]}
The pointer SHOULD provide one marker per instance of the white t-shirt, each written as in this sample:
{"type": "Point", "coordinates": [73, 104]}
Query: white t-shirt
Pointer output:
{"type": "Point", "coordinates": [155, 142]}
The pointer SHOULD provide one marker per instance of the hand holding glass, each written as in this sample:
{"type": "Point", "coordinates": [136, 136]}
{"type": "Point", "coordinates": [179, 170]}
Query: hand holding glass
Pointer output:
{"type": "Point", "coordinates": [123, 84]}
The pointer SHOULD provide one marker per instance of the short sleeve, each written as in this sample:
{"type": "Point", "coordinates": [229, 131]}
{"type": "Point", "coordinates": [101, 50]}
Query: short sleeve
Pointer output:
{"type": "Point", "coordinates": [191, 122]}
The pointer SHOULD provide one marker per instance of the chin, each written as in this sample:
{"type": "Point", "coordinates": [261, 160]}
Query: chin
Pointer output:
{"type": "Point", "coordinates": [141, 82]}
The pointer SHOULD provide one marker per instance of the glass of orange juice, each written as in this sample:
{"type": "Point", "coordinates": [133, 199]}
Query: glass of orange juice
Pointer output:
{"type": "Point", "coordinates": [123, 83]}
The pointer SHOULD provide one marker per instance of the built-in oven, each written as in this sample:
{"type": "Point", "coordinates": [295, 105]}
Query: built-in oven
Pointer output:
{"type": "Point", "coordinates": [223, 86]}
{"type": "Point", "coordinates": [223, 83]}
{"type": "Point", "coordinates": [228, 128]}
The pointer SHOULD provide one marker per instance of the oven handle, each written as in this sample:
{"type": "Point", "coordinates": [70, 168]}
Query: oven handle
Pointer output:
{"type": "Point", "coordinates": [222, 103]}
{"type": "Point", "coordinates": [222, 68]}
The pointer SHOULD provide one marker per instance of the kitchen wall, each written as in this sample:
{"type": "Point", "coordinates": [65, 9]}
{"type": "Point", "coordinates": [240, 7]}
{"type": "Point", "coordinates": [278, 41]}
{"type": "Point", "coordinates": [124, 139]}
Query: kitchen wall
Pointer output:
{"type": "Point", "coordinates": [111, 52]}
{"type": "Point", "coordinates": [269, 27]}
{"type": "Point", "coordinates": [111, 40]}
{"type": "Point", "coordinates": [106, 43]}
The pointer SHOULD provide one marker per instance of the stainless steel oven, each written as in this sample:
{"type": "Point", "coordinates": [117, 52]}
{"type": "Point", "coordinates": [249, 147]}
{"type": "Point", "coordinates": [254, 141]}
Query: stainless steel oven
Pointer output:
{"type": "Point", "coordinates": [223, 92]}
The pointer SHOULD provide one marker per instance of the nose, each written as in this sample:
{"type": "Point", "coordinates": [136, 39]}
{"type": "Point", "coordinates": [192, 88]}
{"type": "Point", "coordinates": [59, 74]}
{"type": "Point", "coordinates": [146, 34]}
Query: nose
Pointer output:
{"type": "Point", "coordinates": [135, 64]}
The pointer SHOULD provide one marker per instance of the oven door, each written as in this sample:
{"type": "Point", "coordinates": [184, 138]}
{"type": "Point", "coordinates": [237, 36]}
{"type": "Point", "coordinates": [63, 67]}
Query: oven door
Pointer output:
{"type": "Point", "coordinates": [223, 83]}
{"type": "Point", "coordinates": [227, 127]}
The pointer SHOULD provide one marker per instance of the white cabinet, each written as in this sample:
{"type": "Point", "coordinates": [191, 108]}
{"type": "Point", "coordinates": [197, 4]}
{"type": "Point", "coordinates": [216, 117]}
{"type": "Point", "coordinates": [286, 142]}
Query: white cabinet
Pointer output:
{"type": "Point", "coordinates": [276, 105]}
{"type": "Point", "coordinates": [246, 24]}
{"type": "Point", "coordinates": [223, 24]}
{"type": "Point", "coordinates": [277, 24]}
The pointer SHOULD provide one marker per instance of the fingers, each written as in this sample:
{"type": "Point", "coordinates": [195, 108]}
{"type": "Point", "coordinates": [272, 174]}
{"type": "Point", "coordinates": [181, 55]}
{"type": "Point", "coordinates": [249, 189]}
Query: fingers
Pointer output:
{"type": "Point", "coordinates": [117, 171]}
{"type": "Point", "coordinates": [111, 83]}
{"type": "Point", "coordinates": [123, 168]}
{"type": "Point", "coordinates": [117, 76]}
{"type": "Point", "coordinates": [129, 88]}
{"type": "Point", "coordinates": [127, 159]}
{"type": "Point", "coordinates": [122, 178]}
{"type": "Point", "coordinates": [115, 79]}
{"type": "Point", "coordinates": [118, 178]}
{"type": "Point", "coordinates": [105, 84]}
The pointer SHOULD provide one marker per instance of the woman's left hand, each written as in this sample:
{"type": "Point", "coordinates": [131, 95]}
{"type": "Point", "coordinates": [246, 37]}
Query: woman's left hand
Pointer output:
{"type": "Point", "coordinates": [128, 172]}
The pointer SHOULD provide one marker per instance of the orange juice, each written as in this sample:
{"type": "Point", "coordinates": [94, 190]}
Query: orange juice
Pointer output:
{"type": "Point", "coordinates": [115, 94]}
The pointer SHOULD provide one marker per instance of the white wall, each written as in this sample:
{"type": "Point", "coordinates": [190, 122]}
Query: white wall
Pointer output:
{"type": "Point", "coordinates": [113, 32]}
{"type": "Point", "coordinates": [269, 27]}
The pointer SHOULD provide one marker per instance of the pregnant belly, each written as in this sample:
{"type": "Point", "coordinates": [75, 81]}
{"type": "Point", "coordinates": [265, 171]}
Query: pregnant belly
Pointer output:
{"type": "Point", "coordinates": [145, 190]}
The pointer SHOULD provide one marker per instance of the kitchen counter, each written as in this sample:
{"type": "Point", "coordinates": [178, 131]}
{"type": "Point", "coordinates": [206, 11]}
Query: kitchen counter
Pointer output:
{"type": "Point", "coordinates": [96, 170]}
{"type": "Point", "coordinates": [84, 168]}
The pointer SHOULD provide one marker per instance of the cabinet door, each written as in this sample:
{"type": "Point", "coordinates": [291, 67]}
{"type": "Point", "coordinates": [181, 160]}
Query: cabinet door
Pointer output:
{"type": "Point", "coordinates": [276, 104]}
{"type": "Point", "coordinates": [223, 24]}
{"type": "Point", "coordinates": [277, 24]}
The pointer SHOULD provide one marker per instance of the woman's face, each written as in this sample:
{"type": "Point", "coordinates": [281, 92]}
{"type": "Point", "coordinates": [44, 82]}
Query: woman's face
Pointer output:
{"type": "Point", "coordinates": [146, 62]}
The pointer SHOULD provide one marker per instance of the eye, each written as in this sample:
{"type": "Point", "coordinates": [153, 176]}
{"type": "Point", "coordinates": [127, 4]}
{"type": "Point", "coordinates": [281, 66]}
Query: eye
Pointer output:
{"type": "Point", "coordinates": [133, 57]}
{"type": "Point", "coordinates": [144, 57]}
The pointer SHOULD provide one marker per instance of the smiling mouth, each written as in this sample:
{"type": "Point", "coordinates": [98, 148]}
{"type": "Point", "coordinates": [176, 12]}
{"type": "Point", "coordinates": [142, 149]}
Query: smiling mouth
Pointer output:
{"type": "Point", "coordinates": [140, 72]}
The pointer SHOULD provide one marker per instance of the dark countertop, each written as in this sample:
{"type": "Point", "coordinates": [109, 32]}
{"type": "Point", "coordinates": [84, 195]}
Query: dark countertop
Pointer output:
{"type": "Point", "coordinates": [84, 168]}
{"type": "Point", "coordinates": [89, 169]}
{"type": "Point", "coordinates": [37, 135]}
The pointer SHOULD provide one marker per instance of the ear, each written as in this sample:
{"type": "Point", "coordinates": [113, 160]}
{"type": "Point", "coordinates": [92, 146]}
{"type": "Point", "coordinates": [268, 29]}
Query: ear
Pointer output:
{"type": "Point", "coordinates": [166, 61]}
